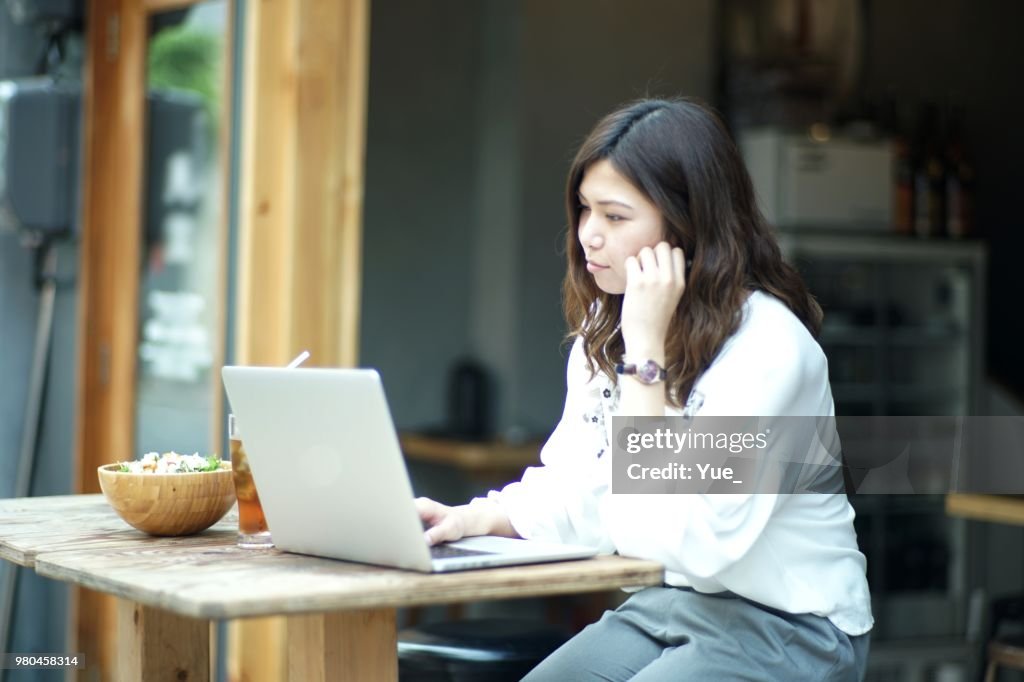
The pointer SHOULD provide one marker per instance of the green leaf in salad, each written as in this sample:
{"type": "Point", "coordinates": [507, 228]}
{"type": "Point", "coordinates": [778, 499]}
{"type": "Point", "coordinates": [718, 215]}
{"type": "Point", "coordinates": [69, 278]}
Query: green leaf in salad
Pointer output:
{"type": "Point", "coordinates": [212, 464]}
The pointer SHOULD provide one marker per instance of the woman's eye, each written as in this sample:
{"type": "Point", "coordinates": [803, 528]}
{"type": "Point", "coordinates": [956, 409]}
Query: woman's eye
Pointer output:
{"type": "Point", "coordinates": [613, 217]}
{"type": "Point", "coordinates": [582, 209]}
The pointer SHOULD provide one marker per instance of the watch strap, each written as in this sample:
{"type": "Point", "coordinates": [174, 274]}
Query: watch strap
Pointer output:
{"type": "Point", "coordinates": [646, 371]}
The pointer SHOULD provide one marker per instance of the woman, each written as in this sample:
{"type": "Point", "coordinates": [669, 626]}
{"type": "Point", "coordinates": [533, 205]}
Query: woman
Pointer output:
{"type": "Point", "coordinates": [680, 304]}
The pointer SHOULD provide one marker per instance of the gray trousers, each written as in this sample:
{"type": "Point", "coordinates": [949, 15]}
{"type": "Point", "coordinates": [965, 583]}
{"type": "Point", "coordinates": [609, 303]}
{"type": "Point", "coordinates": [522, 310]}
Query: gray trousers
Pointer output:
{"type": "Point", "coordinates": [670, 633]}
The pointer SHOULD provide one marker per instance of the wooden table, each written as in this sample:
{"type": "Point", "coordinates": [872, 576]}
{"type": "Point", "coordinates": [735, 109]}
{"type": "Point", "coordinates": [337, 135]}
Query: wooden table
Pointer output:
{"type": "Point", "coordinates": [985, 507]}
{"type": "Point", "coordinates": [480, 459]}
{"type": "Point", "coordinates": [340, 616]}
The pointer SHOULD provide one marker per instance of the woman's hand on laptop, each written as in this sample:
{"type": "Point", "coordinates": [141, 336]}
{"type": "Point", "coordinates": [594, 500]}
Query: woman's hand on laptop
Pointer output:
{"type": "Point", "coordinates": [447, 524]}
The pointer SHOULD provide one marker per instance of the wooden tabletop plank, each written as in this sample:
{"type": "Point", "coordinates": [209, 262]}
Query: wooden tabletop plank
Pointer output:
{"type": "Point", "coordinates": [30, 503]}
{"type": "Point", "coordinates": [103, 541]}
{"type": "Point", "coordinates": [229, 582]}
{"type": "Point", "coordinates": [33, 525]}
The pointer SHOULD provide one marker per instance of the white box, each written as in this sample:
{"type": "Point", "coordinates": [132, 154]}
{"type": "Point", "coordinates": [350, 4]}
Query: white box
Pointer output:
{"type": "Point", "coordinates": [834, 184]}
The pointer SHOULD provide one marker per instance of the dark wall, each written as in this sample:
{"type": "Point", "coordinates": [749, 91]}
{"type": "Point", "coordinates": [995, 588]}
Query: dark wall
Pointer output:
{"type": "Point", "coordinates": [969, 52]}
{"type": "Point", "coordinates": [419, 203]}
{"type": "Point", "coordinates": [581, 59]}
{"type": "Point", "coordinates": [475, 110]}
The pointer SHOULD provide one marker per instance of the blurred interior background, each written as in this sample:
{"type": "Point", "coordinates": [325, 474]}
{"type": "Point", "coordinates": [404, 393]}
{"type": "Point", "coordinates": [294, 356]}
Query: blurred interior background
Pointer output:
{"type": "Point", "coordinates": [883, 139]}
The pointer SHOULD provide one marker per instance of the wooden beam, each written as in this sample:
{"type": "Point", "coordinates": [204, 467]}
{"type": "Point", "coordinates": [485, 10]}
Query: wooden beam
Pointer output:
{"type": "Point", "coordinates": [331, 125]}
{"type": "Point", "coordinates": [154, 644]}
{"type": "Point", "coordinates": [111, 227]}
{"type": "Point", "coordinates": [113, 109]}
{"type": "Point", "coordinates": [301, 199]}
{"type": "Point", "coordinates": [356, 70]}
{"type": "Point", "coordinates": [304, 122]}
{"type": "Point", "coordinates": [343, 645]}
{"type": "Point", "coordinates": [267, 188]}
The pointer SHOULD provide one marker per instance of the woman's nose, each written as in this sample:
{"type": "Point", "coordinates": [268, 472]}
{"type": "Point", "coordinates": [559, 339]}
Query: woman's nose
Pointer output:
{"type": "Point", "coordinates": [589, 234]}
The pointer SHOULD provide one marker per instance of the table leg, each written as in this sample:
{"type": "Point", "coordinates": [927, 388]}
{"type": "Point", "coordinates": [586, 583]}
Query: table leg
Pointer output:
{"type": "Point", "coordinates": [343, 645]}
{"type": "Point", "coordinates": [154, 644]}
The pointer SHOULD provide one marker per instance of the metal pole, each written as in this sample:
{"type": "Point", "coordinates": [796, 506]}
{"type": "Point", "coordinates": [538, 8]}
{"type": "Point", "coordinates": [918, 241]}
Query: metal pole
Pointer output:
{"type": "Point", "coordinates": [30, 430]}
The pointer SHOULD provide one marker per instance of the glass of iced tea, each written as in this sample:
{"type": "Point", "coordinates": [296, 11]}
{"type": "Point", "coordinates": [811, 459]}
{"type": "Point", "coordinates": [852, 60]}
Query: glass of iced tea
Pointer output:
{"type": "Point", "coordinates": [252, 524]}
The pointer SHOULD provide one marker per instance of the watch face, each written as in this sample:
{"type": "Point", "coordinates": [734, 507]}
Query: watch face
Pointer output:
{"type": "Point", "coordinates": [648, 372]}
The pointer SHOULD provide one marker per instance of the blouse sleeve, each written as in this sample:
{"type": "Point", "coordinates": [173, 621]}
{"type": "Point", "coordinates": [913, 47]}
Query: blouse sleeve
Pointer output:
{"type": "Point", "coordinates": [559, 500]}
{"type": "Point", "coordinates": [703, 535]}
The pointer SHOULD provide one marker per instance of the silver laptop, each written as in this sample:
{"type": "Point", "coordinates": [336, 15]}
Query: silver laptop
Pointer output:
{"type": "Point", "coordinates": [332, 479]}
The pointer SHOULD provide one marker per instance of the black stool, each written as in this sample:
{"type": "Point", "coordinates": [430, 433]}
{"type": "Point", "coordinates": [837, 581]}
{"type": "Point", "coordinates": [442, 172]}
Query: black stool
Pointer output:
{"type": "Point", "coordinates": [475, 650]}
{"type": "Point", "coordinates": [1002, 650]}
{"type": "Point", "coordinates": [1007, 653]}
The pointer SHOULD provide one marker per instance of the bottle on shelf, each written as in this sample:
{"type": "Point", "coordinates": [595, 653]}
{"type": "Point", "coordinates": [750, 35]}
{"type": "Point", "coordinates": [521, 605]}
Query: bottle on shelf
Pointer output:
{"type": "Point", "coordinates": [936, 194]}
{"type": "Point", "coordinates": [929, 175]}
{"type": "Point", "coordinates": [959, 179]}
{"type": "Point", "coordinates": [902, 168]}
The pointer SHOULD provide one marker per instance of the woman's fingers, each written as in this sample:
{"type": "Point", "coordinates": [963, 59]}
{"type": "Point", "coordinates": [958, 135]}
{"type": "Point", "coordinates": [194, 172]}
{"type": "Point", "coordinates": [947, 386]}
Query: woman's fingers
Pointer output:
{"type": "Point", "coordinates": [429, 510]}
{"type": "Point", "coordinates": [648, 261]}
{"type": "Point", "coordinates": [633, 272]}
{"type": "Point", "coordinates": [679, 264]}
{"type": "Point", "coordinates": [448, 529]}
{"type": "Point", "coordinates": [663, 252]}
{"type": "Point", "coordinates": [438, 534]}
{"type": "Point", "coordinates": [663, 263]}
{"type": "Point", "coordinates": [444, 523]}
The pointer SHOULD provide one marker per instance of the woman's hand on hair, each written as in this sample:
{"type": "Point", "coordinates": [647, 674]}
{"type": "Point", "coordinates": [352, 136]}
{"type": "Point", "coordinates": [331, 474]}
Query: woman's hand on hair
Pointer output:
{"type": "Point", "coordinates": [655, 281]}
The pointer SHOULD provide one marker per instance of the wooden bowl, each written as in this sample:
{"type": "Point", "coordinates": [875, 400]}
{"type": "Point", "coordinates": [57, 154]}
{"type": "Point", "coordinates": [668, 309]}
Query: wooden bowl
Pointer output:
{"type": "Point", "coordinates": [169, 504]}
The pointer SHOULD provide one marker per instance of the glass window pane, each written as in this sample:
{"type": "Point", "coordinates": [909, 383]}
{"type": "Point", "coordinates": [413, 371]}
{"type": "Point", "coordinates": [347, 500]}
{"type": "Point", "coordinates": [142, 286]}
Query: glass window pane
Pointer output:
{"type": "Point", "coordinates": [183, 262]}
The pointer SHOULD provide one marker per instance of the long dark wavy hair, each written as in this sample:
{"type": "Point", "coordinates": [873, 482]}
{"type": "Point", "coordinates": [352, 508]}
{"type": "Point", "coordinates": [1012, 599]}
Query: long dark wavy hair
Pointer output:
{"type": "Point", "coordinates": [679, 155]}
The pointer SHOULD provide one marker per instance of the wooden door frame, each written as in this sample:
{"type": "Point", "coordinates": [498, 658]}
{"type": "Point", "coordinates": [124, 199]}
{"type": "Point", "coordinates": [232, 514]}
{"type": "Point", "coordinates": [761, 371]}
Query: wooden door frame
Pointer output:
{"type": "Point", "coordinates": [303, 124]}
{"type": "Point", "coordinates": [114, 135]}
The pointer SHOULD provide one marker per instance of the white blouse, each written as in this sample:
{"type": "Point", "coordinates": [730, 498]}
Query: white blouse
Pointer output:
{"type": "Point", "coordinates": [797, 553]}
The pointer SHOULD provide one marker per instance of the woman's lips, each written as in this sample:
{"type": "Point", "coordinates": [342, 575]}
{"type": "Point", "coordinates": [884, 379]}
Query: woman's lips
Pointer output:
{"type": "Point", "coordinates": [594, 267]}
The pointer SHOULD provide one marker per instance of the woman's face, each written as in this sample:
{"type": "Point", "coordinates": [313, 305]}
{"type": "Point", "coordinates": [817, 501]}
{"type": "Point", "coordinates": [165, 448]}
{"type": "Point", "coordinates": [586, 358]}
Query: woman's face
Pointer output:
{"type": "Point", "coordinates": [616, 221]}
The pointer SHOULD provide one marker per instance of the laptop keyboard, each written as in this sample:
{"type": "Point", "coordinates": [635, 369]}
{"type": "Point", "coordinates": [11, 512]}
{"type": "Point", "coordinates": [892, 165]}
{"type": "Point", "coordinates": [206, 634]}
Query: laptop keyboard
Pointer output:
{"type": "Point", "coordinates": [449, 552]}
